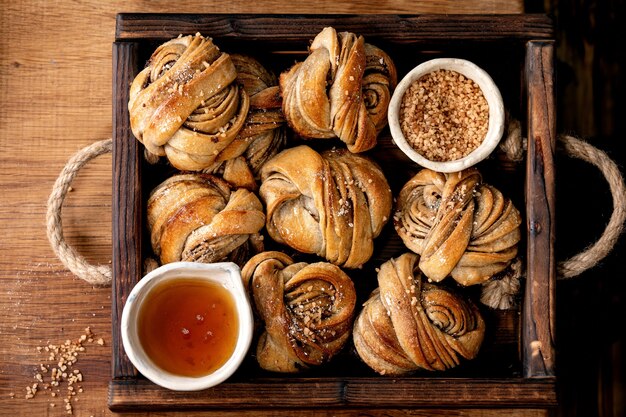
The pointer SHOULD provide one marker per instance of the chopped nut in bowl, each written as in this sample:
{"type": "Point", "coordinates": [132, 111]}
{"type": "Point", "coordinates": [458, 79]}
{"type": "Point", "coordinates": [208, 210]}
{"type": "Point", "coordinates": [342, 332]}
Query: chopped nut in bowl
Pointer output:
{"type": "Point", "coordinates": [446, 114]}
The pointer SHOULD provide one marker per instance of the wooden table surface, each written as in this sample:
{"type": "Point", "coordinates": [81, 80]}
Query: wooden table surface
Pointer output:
{"type": "Point", "coordinates": [55, 91]}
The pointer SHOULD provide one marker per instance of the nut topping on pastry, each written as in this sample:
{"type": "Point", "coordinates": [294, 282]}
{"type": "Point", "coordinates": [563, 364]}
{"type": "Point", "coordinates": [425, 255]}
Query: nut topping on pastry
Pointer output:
{"type": "Point", "coordinates": [460, 226]}
{"type": "Point", "coordinates": [185, 104]}
{"type": "Point", "coordinates": [408, 324]}
{"type": "Point", "coordinates": [341, 90]}
{"type": "Point", "coordinates": [331, 204]}
{"type": "Point", "coordinates": [196, 217]}
{"type": "Point", "coordinates": [307, 310]}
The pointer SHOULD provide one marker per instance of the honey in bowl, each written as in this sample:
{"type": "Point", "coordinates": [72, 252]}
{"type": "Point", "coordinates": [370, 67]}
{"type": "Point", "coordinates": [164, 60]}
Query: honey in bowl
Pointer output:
{"type": "Point", "coordinates": [188, 326]}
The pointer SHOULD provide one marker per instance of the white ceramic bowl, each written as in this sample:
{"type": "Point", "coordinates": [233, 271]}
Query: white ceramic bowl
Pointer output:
{"type": "Point", "coordinates": [226, 274]}
{"type": "Point", "coordinates": [489, 90]}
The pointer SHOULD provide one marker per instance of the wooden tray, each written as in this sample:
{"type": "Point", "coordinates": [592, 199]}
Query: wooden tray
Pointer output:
{"type": "Point", "coordinates": [515, 368]}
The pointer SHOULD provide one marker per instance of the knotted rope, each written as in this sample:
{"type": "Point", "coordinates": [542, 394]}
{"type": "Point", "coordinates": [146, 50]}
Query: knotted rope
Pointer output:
{"type": "Point", "coordinates": [597, 251]}
{"type": "Point", "coordinates": [501, 291]}
{"type": "Point", "coordinates": [95, 275]}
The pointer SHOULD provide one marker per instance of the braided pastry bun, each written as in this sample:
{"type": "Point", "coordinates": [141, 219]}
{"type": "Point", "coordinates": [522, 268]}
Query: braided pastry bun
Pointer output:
{"type": "Point", "coordinates": [263, 132]}
{"type": "Point", "coordinates": [408, 324]}
{"type": "Point", "coordinates": [185, 104]}
{"type": "Point", "coordinates": [460, 226]}
{"type": "Point", "coordinates": [307, 310]}
{"type": "Point", "coordinates": [331, 204]}
{"type": "Point", "coordinates": [197, 217]}
{"type": "Point", "coordinates": [342, 89]}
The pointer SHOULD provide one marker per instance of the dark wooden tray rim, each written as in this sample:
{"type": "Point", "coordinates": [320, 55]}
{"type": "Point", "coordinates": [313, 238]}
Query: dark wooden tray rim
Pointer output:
{"type": "Point", "coordinates": [537, 386]}
{"type": "Point", "coordinates": [277, 393]}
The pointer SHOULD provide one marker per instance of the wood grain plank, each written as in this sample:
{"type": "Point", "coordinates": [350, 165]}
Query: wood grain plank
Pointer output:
{"type": "Point", "coordinates": [285, 393]}
{"type": "Point", "coordinates": [459, 392]}
{"type": "Point", "coordinates": [332, 6]}
{"type": "Point", "coordinates": [348, 392]}
{"type": "Point", "coordinates": [127, 202]}
{"type": "Point", "coordinates": [407, 29]}
{"type": "Point", "coordinates": [539, 301]}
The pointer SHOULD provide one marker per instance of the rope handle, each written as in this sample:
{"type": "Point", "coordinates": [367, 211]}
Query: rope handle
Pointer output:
{"type": "Point", "coordinates": [577, 264]}
{"type": "Point", "coordinates": [96, 275]}
{"type": "Point", "coordinates": [597, 251]}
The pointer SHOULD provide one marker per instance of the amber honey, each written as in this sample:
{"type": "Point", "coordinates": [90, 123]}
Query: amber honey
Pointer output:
{"type": "Point", "coordinates": [188, 326]}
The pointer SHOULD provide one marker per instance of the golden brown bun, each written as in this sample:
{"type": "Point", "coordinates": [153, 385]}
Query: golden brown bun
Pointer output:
{"type": "Point", "coordinates": [460, 226]}
{"type": "Point", "coordinates": [197, 217]}
{"type": "Point", "coordinates": [263, 132]}
{"type": "Point", "coordinates": [341, 90]}
{"type": "Point", "coordinates": [185, 104]}
{"type": "Point", "coordinates": [332, 204]}
{"type": "Point", "coordinates": [307, 310]}
{"type": "Point", "coordinates": [408, 324]}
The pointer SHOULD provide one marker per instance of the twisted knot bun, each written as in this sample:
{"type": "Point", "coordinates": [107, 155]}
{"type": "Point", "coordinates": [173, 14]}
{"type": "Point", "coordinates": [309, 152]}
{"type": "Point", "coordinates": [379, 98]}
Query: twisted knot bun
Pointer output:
{"type": "Point", "coordinates": [342, 89]}
{"type": "Point", "coordinates": [185, 104]}
{"type": "Point", "coordinates": [263, 132]}
{"type": "Point", "coordinates": [460, 226]}
{"type": "Point", "coordinates": [307, 310]}
{"type": "Point", "coordinates": [408, 324]}
{"type": "Point", "coordinates": [197, 217]}
{"type": "Point", "coordinates": [331, 204]}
